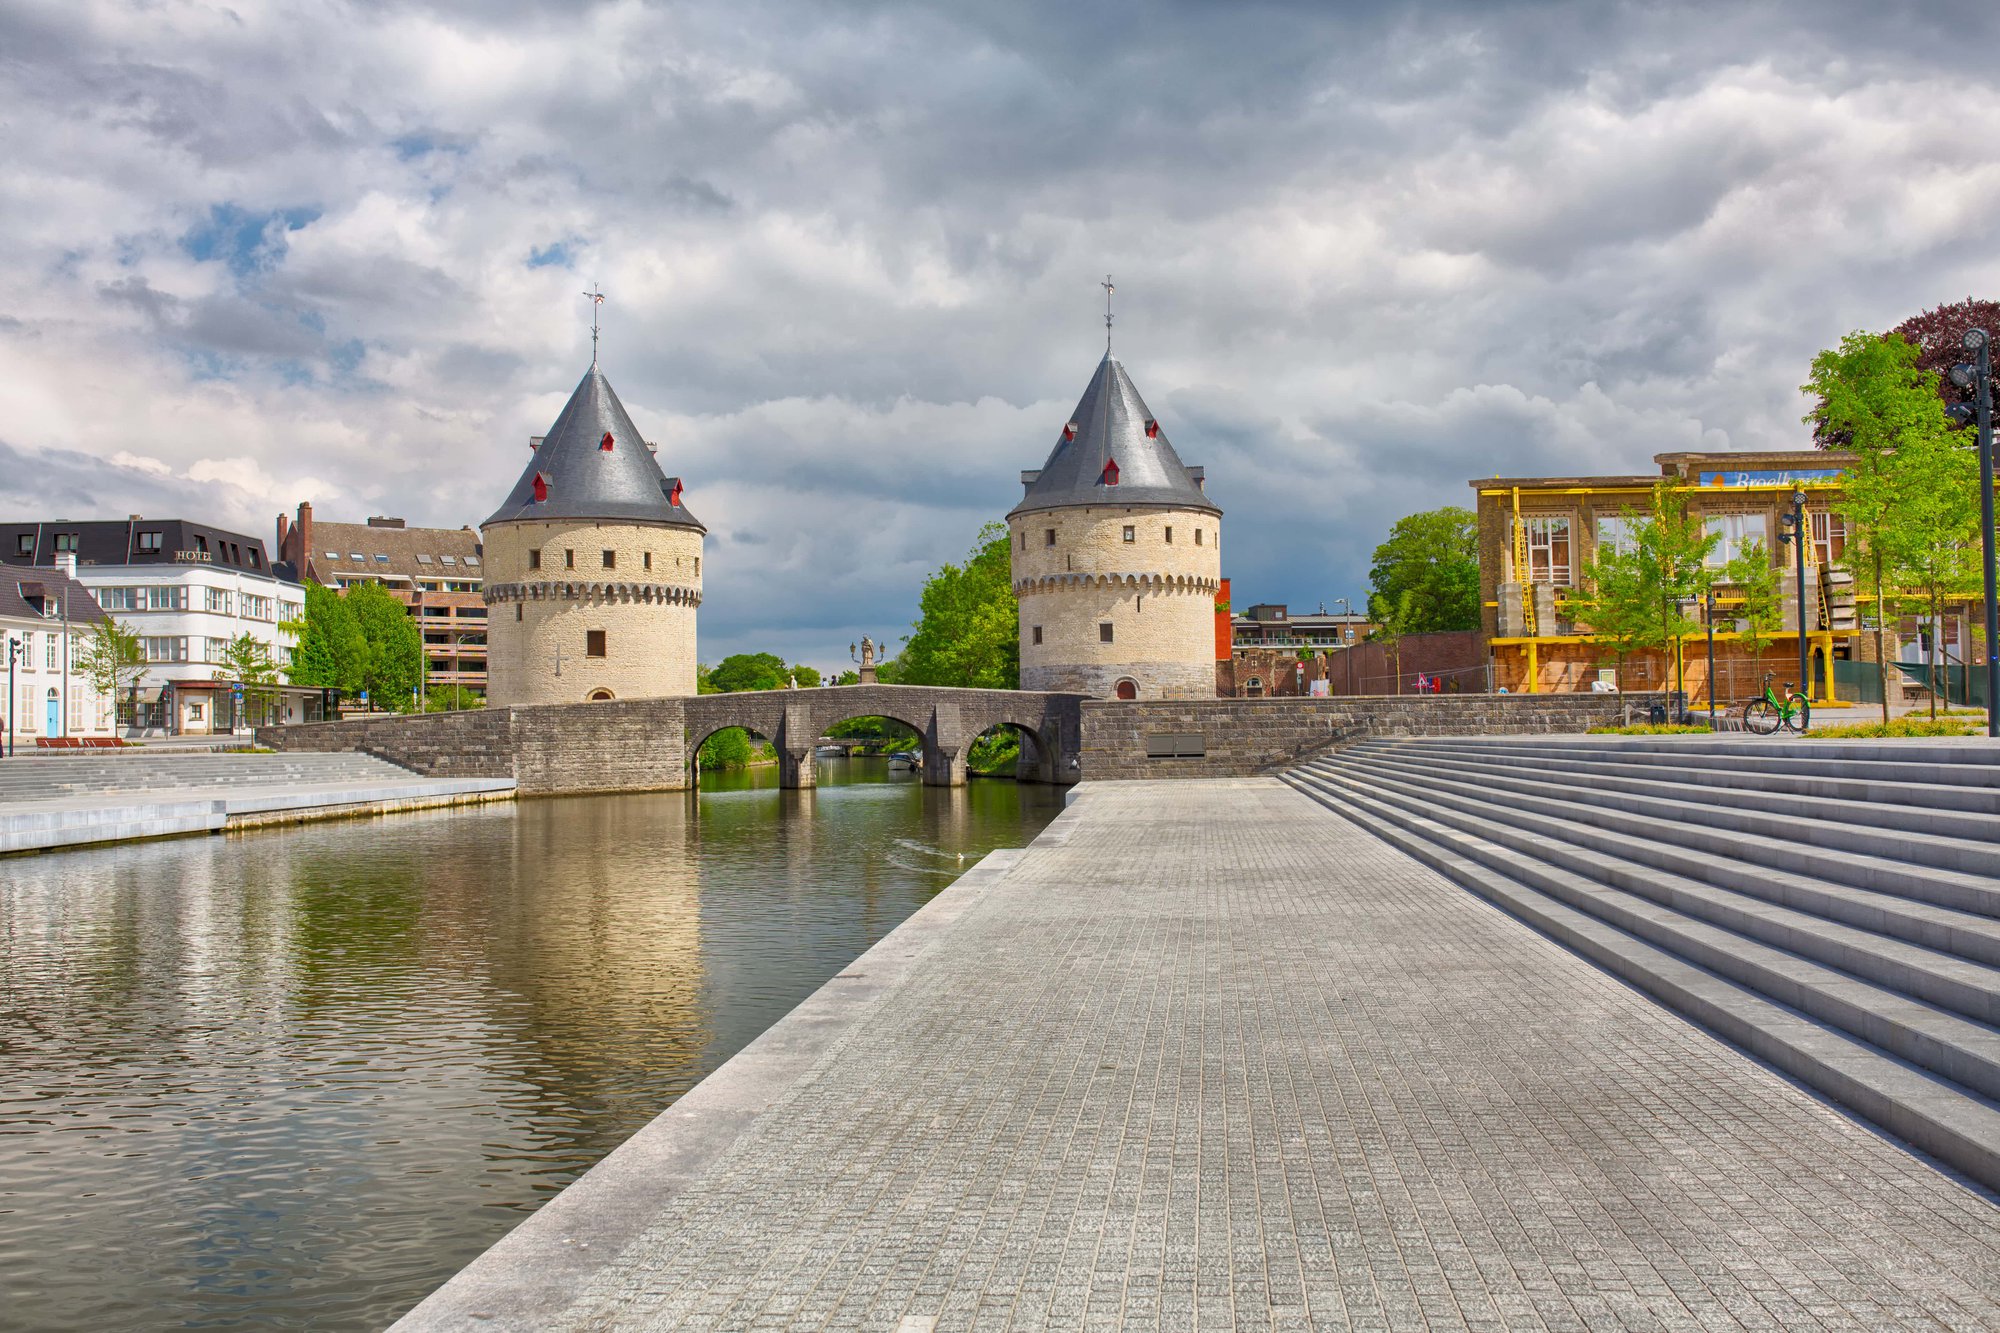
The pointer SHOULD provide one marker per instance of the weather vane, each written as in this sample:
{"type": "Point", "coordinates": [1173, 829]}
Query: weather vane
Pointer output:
{"type": "Point", "coordinates": [1108, 289]}
{"type": "Point", "coordinates": [596, 300]}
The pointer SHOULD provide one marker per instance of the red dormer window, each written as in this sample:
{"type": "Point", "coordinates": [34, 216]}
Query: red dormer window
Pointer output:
{"type": "Point", "coordinates": [606, 443]}
{"type": "Point", "coordinates": [541, 487]}
{"type": "Point", "coordinates": [1069, 432]}
{"type": "Point", "coordinates": [1152, 429]}
{"type": "Point", "coordinates": [674, 489]}
{"type": "Point", "coordinates": [1110, 472]}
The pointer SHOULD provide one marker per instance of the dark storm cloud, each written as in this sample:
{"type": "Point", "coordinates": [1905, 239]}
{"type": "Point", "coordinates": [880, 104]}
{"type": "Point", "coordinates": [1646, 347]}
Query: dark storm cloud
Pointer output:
{"type": "Point", "coordinates": [1365, 252]}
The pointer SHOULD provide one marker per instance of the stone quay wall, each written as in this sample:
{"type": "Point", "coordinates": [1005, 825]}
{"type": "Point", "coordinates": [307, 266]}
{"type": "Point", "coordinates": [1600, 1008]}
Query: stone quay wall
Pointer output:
{"type": "Point", "coordinates": [1239, 737]}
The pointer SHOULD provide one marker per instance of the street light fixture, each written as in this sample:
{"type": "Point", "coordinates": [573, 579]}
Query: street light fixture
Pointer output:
{"type": "Point", "coordinates": [1347, 641]}
{"type": "Point", "coordinates": [1795, 532]}
{"type": "Point", "coordinates": [13, 656]}
{"type": "Point", "coordinates": [1977, 375]}
{"type": "Point", "coordinates": [1708, 618]}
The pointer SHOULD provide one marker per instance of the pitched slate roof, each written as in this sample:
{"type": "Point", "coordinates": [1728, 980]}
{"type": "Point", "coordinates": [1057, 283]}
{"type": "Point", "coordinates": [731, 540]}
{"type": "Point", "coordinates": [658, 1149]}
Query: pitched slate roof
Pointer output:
{"type": "Point", "coordinates": [46, 593]}
{"type": "Point", "coordinates": [1111, 427]}
{"type": "Point", "coordinates": [582, 479]}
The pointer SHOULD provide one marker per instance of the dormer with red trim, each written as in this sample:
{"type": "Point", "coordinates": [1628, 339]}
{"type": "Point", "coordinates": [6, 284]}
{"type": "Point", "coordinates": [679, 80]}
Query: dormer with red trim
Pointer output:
{"type": "Point", "coordinates": [606, 443]}
{"type": "Point", "coordinates": [1110, 477]}
{"type": "Point", "coordinates": [541, 488]}
{"type": "Point", "coordinates": [673, 488]}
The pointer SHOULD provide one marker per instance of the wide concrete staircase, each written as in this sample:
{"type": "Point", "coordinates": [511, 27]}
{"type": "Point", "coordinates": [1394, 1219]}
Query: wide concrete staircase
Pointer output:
{"type": "Point", "coordinates": [1831, 907]}
{"type": "Point", "coordinates": [60, 776]}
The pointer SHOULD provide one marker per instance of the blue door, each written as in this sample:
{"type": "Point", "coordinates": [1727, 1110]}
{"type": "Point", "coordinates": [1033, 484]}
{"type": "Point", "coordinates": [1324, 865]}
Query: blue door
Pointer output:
{"type": "Point", "coordinates": [55, 716]}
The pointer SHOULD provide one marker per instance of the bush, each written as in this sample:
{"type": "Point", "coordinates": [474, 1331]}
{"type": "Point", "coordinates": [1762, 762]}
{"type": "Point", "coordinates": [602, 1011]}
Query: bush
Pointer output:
{"type": "Point", "coordinates": [1651, 729]}
{"type": "Point", "coordinates": [1902, 728]}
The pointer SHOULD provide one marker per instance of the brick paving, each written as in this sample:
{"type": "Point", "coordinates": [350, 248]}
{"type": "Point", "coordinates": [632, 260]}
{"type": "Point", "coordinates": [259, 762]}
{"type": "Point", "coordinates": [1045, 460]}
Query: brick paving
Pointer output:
{"type": "Point", "coordinates": [1211, 1057]}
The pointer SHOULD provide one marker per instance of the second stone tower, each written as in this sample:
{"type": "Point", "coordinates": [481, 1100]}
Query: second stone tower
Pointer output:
{"type": "Point", "coordinates": [1116, 557]}
{"type": "Point", "coordinates": [593, 566]}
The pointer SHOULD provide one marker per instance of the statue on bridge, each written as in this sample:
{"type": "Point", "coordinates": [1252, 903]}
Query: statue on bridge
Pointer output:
{"type": "Point", "coordinates": [867, 659]}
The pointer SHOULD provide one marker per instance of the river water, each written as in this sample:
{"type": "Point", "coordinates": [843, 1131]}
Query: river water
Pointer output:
{"type": "Point", "coordinates": [295, 1079]}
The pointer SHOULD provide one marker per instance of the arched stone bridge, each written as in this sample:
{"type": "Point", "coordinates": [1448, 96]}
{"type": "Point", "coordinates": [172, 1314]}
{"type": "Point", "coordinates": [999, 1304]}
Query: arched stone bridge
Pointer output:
{"type": "Point", "coordinates": [946, 721]}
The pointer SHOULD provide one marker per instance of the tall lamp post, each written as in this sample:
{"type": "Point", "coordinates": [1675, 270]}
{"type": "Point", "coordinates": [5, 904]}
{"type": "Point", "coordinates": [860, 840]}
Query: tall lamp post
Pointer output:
{"type": "Point", "coordinates": [1977, 375]}
{"type": "Point", "coordinates": [1347, 639]}
{"type": "Point", "coordinates": [1796, 533]}
{"type": "Point", "coordinates": [13, 656]}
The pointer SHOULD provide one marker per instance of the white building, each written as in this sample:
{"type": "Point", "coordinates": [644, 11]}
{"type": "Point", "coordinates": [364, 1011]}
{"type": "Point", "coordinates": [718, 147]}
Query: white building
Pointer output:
{"type": "Point", "coordinates": [187, 591]}
{"type": "Point", "coordinates": [46, 618]}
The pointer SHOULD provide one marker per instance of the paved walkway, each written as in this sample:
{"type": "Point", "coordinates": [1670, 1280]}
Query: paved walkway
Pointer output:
{"type": "Point", "coordinates": [1208, 1056]}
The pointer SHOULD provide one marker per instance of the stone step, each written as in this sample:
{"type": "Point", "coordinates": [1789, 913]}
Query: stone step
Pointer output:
{"type": "Point", "coordinates": [1869, 857]}
{"type": "Point", "coordinates": [1934, 1113]}
{"type": "Point", "coordinates": [1834, 784]}
{"type": "Point", "coordinates": [1973, 762]}
{"type": "Point", "coordinates": [1936, 976]}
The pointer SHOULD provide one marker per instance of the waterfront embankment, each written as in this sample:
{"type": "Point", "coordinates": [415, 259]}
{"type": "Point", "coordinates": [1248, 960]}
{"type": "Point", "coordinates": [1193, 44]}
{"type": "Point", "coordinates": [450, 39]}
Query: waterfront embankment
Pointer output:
{"type": "Point", "coordinates": [49, 802]}
{"type": "Point", "coordinates": [1207, 1054]}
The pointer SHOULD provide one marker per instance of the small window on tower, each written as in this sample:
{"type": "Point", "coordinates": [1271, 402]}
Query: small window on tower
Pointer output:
{"type": "Point", "coordinates": [535, 558]}
{"type": "Point", "coordinates": [1197, 536]}
{"type": "Point", "coordinates": [569, 559]}
{"type": "Point", "coordinates": [1049, 537]}
{"type": "Point", "coordinates": [1024, 539]}
{"type": "Point", "coordinates": [611, 559]}
{"type": "Point", "coordinates": [1170, 535]}
{"type": "Point", "coordinates": [593, 643]}
{"type": "Point", "coordinates": [648, 561]}
{"type": "Point", "coordinates": [697, 566]}
{"type": "Point", "coordinates": [1038, 634]}
{"type": "Point", "coordinates": [1104, 632]}
{"type": "Point", "coordinates": [1131, 533]}
{"type": "Point", "coordinates": [518, 609]}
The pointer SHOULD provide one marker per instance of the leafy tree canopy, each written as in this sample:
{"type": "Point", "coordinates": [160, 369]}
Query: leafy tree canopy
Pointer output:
{"type": "Point", "coordinates": [748, 671]}
{"type": "Point", "coordinates": [1935, 344]}
{"type": "Point", "coordinates": [332, 652]}
{"type": "Point", "coordinates": [1425, 578]}
{"type": "Point", "coordinates": [112, 657]}
{"type": "Point", "coordinates": [807, 677]}
{"type": "Point", "coordinates": [968, 629]}
{"type": "Point", "coordinates": [394, 662]}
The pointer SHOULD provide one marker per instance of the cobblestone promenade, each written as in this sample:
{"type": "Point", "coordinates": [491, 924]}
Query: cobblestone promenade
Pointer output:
{"type": "Point", "coordinates": [1210, 1057]}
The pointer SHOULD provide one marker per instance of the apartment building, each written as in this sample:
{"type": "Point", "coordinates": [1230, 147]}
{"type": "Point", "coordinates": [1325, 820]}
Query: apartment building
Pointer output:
{"type": "Point", "coordinates": [1537, 535]}
{"type": "Point", "coordinates": [46, 618]}
{"type": "Point", "coordinates": [436, 573]}
{"type": "Point", "coordinates": [187, 590]}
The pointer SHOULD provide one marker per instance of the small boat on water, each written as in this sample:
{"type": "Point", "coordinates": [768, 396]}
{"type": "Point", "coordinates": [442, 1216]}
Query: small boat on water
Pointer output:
{"type": "Point", "coordinates": [831, 751]}
{"type": "Point", "coordinates": [907, 758]}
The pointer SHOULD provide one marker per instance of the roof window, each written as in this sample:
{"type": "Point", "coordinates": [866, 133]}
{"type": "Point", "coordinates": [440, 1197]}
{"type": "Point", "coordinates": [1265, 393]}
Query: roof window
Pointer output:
{"type": "Point", "coordinates": [381, 559]}
{"type": "Point", "coordinates": [423, 559]}
{"type": "Point", "coordinates": [1069, 432]}
{"type": "Point", "coordinates": [472, 560]}
{"type": "Point", "coordinates": [606, 443]}
{"type": "Point", "coordinates": [1110, 472]}
{"type": "Point", "coordinates": [333, 555]}
{"type": "Point", "coordinates": [1152, 429]}
{"type": "Point", "coordinates": [674, 489]}
{"type": "Point", "coordinates": [356, 555]}
{"type": "Point", "coordinates": [449, 560]}
{"type": "Point", "coordinates": [541, 487]}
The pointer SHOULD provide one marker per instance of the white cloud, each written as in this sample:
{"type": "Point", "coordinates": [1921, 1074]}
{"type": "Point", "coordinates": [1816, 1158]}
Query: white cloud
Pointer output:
{"type": "Point", "coordinates": [852, 254]}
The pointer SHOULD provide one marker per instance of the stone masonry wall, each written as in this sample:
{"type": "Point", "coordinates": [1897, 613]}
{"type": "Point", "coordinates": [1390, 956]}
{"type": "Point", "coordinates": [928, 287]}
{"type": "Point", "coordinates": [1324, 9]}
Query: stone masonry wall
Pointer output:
{"type": "Point", "coordinates": [476, 743]}
{"type": "Point", "coordinates": [1156, 591]}
{"type": "Point", "coordinates": [1246, 736]}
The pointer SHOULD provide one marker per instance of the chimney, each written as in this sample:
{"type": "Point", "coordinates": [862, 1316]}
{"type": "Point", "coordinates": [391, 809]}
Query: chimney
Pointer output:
{"type": "Point", "coordinates": [66, 562]}
{"type": "Point", "coordinates": [303, 530]}
{"type": "Point", "coordinates": [283, 527]}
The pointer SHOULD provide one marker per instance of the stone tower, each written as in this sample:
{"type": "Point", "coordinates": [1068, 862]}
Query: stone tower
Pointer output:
{"type": "Point", "coordinates": [1116, 557]}
{"type": "Point", "coordinates": [593, 566]}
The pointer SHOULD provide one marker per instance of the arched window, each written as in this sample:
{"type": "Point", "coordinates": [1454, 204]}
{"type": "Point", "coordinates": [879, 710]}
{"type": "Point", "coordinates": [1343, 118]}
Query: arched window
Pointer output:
{"type": "Point", "coordinates": [1254, 688]}
{"type": "Point", "coordinates": [599, 696]}
{"type": "Point", "coordinates": [1127, 689]}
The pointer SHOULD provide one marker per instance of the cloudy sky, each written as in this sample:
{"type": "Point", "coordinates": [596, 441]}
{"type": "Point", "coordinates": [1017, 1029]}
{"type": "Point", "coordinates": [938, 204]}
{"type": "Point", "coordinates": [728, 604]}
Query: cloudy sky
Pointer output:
{"type": "Point", "coordinates": [261, 253]}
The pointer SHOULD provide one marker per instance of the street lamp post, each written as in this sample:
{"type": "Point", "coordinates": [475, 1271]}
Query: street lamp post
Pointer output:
{"type": "Point", "coordinates": [13, 655]}
{"type": "Point", "coordinates": [1347, 641]}
{"type": "Point", "coordinates": [1708, 618]}
{"type": "Point", "coordinates": [1977, 375]}
{"type": "Point", "coordinates": [1798, 535]}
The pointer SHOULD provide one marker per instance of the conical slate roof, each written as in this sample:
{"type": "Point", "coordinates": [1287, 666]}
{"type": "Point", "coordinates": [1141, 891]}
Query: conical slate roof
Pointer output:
{"type": "Point", "coordinates": [1111, 426]}
{"type": "Point", "coordinates": [581, 478]}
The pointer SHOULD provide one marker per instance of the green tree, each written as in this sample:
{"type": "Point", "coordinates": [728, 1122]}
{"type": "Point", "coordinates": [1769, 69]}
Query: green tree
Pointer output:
{"type": "Point", "coordinates": [452, 699]}
{"type": "Point", "coordinates": [247, 661]}
{"type": "Point", "coordinates": [805, 676]}
{"type": "Point", "coordinates": [848, 678]}
{"type": "Point", "coordinates": [728, 748]}
{"type": "Point", "coordinates": [331, 650]}
{"type": "Point", "coordinates": [1434, 558]}
{"type": "Point", "coordinates": [112, 659]}
{"type": "Point", "coordinates": [394, 663]}
{"type": "Point", "coordinates": [968, 629]}
{"type": "Point", "coordinates": [1392, 619]}
{"type": "Point", "coordinates": [1906, 501]}
{"type": "Point", "coordinates": [1646, 597]}
{"type": "Point", "coordinates": [748, 671]}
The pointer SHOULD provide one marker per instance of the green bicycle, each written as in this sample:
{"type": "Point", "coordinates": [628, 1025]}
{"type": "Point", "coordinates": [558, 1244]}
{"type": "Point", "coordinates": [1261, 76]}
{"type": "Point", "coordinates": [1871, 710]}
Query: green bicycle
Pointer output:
{"type": "Point", "coordinates": [1768, 714]}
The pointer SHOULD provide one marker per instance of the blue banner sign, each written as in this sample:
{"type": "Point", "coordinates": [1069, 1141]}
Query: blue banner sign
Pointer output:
{"type": "Point", "coordinates": [1790, 476]}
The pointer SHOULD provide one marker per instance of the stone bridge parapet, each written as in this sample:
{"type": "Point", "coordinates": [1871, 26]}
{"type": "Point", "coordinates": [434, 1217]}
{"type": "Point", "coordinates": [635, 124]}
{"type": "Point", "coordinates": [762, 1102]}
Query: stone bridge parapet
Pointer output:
{"type": "Point", "coordinates": [650, 744]}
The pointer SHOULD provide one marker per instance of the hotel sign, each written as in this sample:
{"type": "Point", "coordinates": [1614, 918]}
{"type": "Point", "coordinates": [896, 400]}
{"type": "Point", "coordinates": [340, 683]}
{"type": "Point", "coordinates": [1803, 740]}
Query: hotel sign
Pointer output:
{"type": "Point", "coordinates": [1790, 476]}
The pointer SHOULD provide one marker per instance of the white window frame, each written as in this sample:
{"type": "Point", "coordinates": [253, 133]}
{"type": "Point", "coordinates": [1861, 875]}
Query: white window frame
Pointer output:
{"type": "Point", "coordinates": [1737, 531]}
{"type": "Point", "coordinates": [1617, 532]}
{"type": "Point", "coordinates": [1542, 530]}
